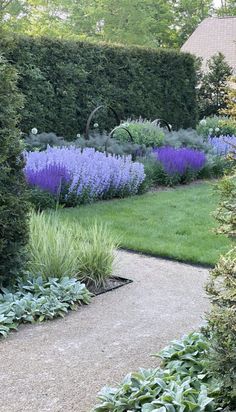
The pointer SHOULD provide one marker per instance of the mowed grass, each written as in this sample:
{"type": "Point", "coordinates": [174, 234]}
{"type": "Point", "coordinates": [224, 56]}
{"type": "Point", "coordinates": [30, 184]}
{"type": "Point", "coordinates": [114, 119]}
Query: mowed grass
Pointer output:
{"type": "Point", "coordinates": [175, 223]}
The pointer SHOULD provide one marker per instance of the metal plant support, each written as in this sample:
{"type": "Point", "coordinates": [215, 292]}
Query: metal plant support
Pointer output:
{"type": "Point", "coordinates": [159, 121]}
{"type": "Point", "coordinates": [113, 131]}
{"type": "Point", "coordinates": [103, 106]}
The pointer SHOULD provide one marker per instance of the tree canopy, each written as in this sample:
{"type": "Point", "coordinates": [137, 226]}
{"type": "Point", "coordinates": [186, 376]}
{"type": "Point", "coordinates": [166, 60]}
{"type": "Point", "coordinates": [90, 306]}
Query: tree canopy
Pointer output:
{"type": "Point", "coordinates": [153, 23]}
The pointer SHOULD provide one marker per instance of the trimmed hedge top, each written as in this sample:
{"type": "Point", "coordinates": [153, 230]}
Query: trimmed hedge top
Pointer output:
{"type": "Point", "coordinates": [63, 81]}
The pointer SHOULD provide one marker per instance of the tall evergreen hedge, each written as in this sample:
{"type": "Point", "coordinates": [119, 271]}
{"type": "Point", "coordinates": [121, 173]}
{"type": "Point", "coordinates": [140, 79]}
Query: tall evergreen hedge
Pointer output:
{"type": "Point", "coordinates": [13, 207]}
{"type": "Point", "coordinates": [63, 81]}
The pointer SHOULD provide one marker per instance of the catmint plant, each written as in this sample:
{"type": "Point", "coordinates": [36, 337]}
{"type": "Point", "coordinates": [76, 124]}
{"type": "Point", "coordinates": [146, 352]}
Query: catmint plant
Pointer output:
{"type": "Point", "coordinates": [83, 174]}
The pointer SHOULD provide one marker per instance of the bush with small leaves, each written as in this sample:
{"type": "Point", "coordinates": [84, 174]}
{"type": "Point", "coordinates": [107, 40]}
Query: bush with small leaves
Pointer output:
{"type": "Point", "coordinates": [216, 126]}
{"type": "Point", "coordinates": [13, 204]}
{"type": "Point", "coordinates": [186, 138]}
{"type": "Point", "coordinates": [40, 199]}
{"type": "Point", "coordinates": [221, 289]}
{"type": "Point", "coordinates": [40, 141]}
{"type": "Point", "coordinates": [142, 131]}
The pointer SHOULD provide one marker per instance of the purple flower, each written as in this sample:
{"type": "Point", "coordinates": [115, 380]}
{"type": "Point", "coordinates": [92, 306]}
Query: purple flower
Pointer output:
{"type": "Point", "coordinates": [52, 177]}
{"type": "Point", "coordinates": [222, 145]}
{"type": "Point", "coordinates": [89, 175]}
{"type": "Point", "coordinates": [178, 161]}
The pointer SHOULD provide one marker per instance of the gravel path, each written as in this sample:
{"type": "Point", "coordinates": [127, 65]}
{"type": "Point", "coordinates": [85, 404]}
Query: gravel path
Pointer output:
{"type": "Point", "coordinates": [61, 365]}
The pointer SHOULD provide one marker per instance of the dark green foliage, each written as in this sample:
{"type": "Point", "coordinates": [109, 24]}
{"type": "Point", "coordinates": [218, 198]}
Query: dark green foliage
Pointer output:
{"type": "Point", "coordinates": [40, 199]}
{"type": "Point", "coordinates": [13, 207]}
{"type": "Point", "coordinates": [212, 90]}
{"type": "Point", "coordinates": [64, 81]}
{"type": "Point", "coordinates": [222, 291]}
{"type": "Point", "coordinates": [215, 167]}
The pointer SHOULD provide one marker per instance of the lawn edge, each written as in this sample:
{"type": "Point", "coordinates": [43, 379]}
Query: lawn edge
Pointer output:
{"type": "Point", "coordinates": [166, 257]}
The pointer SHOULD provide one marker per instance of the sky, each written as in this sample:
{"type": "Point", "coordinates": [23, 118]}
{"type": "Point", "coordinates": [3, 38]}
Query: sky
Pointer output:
{"type": "Point", "coordinates": [217, 3]}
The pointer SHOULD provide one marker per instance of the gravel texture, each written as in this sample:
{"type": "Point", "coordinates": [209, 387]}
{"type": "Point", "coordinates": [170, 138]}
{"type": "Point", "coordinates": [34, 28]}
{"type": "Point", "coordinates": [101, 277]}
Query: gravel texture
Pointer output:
{"type": "Point", "coordinates": [62, 364]}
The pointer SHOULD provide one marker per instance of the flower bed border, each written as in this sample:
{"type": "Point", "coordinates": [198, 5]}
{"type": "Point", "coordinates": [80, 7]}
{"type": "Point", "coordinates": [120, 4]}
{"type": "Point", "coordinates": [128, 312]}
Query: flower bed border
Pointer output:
{"type": "Point", "coordinates": [122, 282]}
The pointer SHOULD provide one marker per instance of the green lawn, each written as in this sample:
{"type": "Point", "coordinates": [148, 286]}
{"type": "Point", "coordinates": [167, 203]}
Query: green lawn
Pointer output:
{"type": "Point", "coordinates": [174, 223]}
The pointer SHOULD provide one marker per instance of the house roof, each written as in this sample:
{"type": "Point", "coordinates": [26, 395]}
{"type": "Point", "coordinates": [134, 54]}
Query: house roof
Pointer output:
{"type": "Point", "coordinates": [214, 35]}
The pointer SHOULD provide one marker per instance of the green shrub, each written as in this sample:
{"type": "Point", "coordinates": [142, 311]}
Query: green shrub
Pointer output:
{"type": "Point", "coordinates": [63, 81]}
{"type": "Point", "coordinates": [213, 85]}
{"type": "Point", "coordinates": [101, 142]}
{"type": "Point", "coordinates": [40, 141]}
{"type": "Point", "coordinates": [216, 126]}
{"type": "Point", "coordinates": [215, 167]}
{"type": "Point", "coordinates": [182, 384]}
{"type": "Point", "coordinates": [156, 175]}
{"type": "Point", "coordinates": [222, 291]}
{"type": "Point", "coordinates": [186, 138]}
{"type": "Point", "coordinates": [227, 127]}
{"type": "Point", "coordinates": [34, 300]}
{"type": "Point", "coordinates": [13, 205]}
{"type": "Point", "coordinates": [142, 131]}
{"type": "Point", "coordinates": [58, 249]}
{"type": "Point", "coordinates": [41, 199]}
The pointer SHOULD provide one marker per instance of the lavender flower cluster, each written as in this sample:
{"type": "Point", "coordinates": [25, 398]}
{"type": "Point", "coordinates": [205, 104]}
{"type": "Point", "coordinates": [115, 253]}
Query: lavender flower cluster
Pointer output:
{"type": "Point", "coordinates": [222, 145]}
{"type": "Point", "coordinates": [85, 175]}
{"type": "Point", "coordinates": [177, 161]}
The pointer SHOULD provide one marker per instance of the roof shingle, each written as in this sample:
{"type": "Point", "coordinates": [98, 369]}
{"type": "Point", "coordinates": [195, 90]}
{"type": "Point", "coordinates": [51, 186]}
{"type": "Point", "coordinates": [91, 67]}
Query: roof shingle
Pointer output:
{"type": "Point", "coordinates": [214, 35]}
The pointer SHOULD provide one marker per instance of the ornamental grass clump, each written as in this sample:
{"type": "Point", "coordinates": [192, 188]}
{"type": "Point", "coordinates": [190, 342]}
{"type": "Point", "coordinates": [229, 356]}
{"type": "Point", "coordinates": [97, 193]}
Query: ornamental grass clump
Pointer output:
{"type": "Point", "coordinates": [58, 248]}
{"type": "Point", "coordinates": [77, 176]}
{"type": "Point", "coordinates": [52, 246]}
{"type": "Point", "coordinates": [96, 255]}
